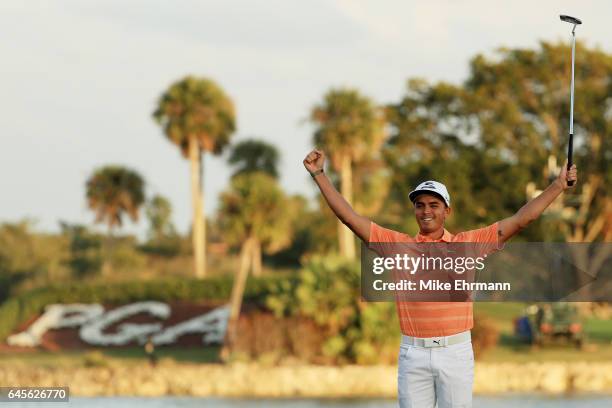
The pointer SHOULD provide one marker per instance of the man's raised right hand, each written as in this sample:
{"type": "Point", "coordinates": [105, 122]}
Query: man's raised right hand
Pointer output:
{"type": "Point", "coordinates": [314, 160]}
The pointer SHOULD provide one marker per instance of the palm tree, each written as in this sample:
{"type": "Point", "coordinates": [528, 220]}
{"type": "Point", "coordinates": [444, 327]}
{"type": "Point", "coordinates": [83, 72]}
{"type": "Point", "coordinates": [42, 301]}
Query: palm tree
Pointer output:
{"type": "Point", "coordinates": [254, 155]}
{"type": "Point", "coordinates": [349, 128]}
{"type": "Point", "coordinates": [253, 213]}
{"type": "Point", "coordinates": [112, 192]}
{"type": "Point", "coordinates": [197, 116]}
{"type": "Point", "coordinates": [249, 157]}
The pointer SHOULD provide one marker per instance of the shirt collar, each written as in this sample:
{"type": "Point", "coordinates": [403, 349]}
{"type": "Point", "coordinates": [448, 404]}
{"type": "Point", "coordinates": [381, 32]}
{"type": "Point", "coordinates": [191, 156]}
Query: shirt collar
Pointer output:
{"type": "Point", "coordinates": [446, 237]}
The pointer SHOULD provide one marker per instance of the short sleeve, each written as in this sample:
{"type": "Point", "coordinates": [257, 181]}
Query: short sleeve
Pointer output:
{"type": "Point", "coordinates": [485, 235]}
{"type": "Point", "coordinates": [487, 238]}
{"type": "Point", "coordinates": [382, 240]}
{"type": "Point", "coordinates": [380, 234]}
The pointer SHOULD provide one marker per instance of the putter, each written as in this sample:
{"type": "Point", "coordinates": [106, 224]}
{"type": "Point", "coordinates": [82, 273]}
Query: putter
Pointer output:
{"type": "Point", "coordinates": [570, 147]}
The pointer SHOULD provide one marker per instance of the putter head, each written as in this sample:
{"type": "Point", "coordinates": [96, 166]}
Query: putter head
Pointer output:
{"type": "Point", "coordinates": [570, 19]}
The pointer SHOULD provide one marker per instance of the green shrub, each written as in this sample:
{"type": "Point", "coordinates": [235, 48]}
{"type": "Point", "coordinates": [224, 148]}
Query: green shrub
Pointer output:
{"type": "Point", "coordinates": [328, 292]}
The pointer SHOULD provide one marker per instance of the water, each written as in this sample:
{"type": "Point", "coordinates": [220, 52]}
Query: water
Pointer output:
{"type": "Point", "coordinates": [184, 402]}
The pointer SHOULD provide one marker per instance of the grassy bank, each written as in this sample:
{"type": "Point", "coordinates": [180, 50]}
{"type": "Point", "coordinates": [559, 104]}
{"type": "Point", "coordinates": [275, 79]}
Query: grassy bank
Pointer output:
{"type": "Point", "coordinates": [597, 352]}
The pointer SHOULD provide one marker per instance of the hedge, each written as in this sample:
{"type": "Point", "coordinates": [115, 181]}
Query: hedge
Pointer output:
{"type": "Point", "coordinates": [21, 308]}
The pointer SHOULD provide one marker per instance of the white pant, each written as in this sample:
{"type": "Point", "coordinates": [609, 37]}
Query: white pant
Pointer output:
{"type": "Point", "coordinates": [438, 374]}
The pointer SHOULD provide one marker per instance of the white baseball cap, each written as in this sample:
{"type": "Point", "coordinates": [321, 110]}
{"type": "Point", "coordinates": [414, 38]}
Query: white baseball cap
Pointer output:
{"type": "Point", "coordinates": [431, 187]}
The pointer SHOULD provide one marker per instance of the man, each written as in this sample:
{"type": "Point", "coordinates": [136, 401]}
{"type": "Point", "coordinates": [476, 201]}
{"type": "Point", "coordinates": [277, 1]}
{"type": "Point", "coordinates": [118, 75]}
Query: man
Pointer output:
{"type": "Point", "coordinates": [436, 361]}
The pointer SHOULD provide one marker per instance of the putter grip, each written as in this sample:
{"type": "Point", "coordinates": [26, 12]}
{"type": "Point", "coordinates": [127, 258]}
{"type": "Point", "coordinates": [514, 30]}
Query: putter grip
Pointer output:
{"type": "Point", "coordinates": [570, 151]}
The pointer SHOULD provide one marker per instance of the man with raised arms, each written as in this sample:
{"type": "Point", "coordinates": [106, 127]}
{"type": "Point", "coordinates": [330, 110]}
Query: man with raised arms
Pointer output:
{"type": "Point", "coordinates": [436, 361]}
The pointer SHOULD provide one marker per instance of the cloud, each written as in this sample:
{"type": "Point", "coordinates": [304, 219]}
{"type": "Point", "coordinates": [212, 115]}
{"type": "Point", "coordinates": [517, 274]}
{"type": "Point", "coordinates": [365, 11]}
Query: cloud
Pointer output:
{"type": "Point", "coordinates": [275, 24]}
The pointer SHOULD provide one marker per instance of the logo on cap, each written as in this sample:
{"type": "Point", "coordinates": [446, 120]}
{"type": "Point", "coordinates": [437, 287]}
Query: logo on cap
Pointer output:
{"type": "Point", "coordinates": [431, 186]}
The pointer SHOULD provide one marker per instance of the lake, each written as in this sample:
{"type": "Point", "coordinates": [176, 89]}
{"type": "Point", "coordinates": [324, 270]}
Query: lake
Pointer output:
{"type": "Point", "coordinates": [186, 402]}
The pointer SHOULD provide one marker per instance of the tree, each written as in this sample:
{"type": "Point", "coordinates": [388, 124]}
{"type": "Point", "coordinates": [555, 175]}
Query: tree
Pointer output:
{"type": "Point", "coordinates": [349, 127]}
{"type": "Point", "coordinates": [114, 191]}
{"type": "Point", "coordinates": [159, 213]}
{"type": "Point", "coordinates": [314, 231]}
{"type": "Point", "coordinates": [253, 213]}
{"type": "Point", "coordinates": [197, 116]}
{"type": "Point", "coordinates": [521, 100]}
{"type": "Point", "coordinates": [504, 130]}
{"type": "Point", "coordinates": [431, 137]}
{"type": "Point", "coordinates": [86, 257]}
{"type": "Point", "coordinates": [162, 238]}
{"type": "Point", "coordinates": [254, 155]}
{"type": "Point", "coordinates": [30, 259]}
{"type": "Point", "coordinates": [256, 212]}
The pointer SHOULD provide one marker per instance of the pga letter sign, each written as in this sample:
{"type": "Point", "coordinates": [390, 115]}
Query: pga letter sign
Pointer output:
{"type": "Point", "coordinates": [92, 321]}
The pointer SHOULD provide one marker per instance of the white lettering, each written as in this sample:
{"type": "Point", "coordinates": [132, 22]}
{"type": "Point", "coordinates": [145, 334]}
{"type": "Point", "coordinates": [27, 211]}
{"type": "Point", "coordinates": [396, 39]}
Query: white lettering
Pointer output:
{"type": "Point", "coordinates": [212, 324]}
{"type": "Point", "coordinates": [55, 317]}
{"type": "Point", "coordinates": [93, 322]}
{"type": "Point", "coordinates": [378, 269]}
{"type": "Point", "coordinates": [93, 332]}
{"type": "Point", "coordinates": [415, 264]}
{"type": "Point", "coordinates": [434, 284]}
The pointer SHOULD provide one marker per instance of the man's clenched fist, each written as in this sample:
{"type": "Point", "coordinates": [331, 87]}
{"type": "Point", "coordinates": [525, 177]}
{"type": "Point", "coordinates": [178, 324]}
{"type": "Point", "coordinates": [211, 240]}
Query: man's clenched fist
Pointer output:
{"type": "Point", "coordinates": [314, 160]}
{"type": "Point", "coordinates": [566, 175]}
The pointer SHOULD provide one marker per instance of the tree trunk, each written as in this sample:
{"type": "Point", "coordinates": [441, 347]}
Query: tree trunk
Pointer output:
{"type": "Point", "coordinates": [256, 258]}
{"type": "Point", "coordinates": [236, 297]}
{"type": "Point", "coordinates": [346, 186]}
{"type": "Point", "coordinates": [198, 231]}
{"type": "Point", "coordinates": [203, 206]}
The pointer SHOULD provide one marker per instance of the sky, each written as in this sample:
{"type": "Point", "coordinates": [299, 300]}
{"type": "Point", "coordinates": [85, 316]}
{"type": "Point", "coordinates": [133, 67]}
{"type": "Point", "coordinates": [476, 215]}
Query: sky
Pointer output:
{"type": "Point", "coordinates": [80, 80]}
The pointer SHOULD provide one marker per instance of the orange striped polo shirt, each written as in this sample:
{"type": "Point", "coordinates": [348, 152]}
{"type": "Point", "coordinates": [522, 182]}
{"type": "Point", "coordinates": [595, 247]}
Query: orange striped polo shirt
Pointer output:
{"type": "Point", "coordinates": [434, 319]}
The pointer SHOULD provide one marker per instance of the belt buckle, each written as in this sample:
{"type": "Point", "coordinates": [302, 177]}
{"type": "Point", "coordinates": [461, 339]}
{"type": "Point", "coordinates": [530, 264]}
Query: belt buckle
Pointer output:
{"type": "Point", "coordinates": [434, 342]}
